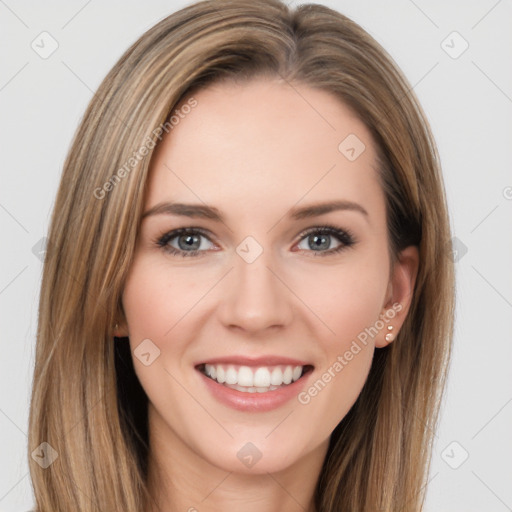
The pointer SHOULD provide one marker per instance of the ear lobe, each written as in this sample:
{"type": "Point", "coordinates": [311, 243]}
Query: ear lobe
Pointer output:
{"type": "Point", "coordinates": [400, 294]}
{"type": "Point", "coordinates": [120, 330]}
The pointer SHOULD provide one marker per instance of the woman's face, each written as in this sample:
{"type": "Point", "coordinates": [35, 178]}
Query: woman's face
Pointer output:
{"type": "Point", "coordinates": [255, 293]}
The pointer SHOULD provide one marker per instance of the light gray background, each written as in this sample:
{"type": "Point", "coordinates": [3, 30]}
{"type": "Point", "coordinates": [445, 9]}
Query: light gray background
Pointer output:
{"type": "Point", "coordinates": [468, 101]}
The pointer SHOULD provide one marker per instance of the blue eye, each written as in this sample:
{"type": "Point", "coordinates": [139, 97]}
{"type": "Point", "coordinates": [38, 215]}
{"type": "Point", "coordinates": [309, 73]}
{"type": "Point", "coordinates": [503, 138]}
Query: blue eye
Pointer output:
{"type": "Point", "coordinates": [189, 241]}
{"type": "Point", "coordinates": [187, 238]}
{"type": "Point", "coordinates": [320, 238]}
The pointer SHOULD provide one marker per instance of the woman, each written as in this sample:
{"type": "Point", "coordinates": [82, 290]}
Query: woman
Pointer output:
{"type": "Point", "coordinates": [247, 300]}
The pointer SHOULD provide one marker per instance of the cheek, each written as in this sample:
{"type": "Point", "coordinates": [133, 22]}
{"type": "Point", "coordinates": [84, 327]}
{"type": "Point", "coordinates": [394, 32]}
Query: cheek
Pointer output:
{"type": "Point", "coordinates": [162, 304]}
{"type": "Point", "coordinates": [350, 309]}
{"type": "Point", "coordinates": [144, 302]}
{"type": "Point", "coordinates": [153, 306]}
{"type": "Point", "coordinates": [347, 297]}
{"type": "Point", "coordinates": [156, 297]}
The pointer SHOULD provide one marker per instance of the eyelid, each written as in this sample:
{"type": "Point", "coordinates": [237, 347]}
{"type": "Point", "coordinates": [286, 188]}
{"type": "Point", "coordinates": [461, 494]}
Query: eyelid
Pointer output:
{"type": "Point", "coordinates": [164, 238]}
{"type": "Point", "coordinates": [344, 236]}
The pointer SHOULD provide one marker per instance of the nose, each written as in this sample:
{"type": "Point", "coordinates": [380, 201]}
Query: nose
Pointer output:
{"type": "Point", "coordinates": [255, 296]}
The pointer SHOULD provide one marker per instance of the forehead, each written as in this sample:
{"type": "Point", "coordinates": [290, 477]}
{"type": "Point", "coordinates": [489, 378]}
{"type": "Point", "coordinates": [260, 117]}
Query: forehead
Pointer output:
{"type": "Point", "coordinates": [262, 143]}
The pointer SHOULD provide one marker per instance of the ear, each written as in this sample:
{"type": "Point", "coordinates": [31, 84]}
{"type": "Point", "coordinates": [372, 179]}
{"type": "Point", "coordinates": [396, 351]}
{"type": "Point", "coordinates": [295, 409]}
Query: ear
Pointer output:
{"type": "Point", "coordinates": [120, 330]}
{"type": "Point", "coordinates": [399, 294]}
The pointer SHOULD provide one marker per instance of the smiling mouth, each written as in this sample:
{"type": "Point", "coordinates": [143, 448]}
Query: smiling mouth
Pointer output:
{"type": "Point", "coordinates": [258, 379]}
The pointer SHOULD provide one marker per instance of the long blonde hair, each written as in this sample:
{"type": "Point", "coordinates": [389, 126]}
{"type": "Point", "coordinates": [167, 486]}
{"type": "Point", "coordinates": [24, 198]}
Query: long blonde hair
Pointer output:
{"type": "Point", "coordinates": [87, 403]}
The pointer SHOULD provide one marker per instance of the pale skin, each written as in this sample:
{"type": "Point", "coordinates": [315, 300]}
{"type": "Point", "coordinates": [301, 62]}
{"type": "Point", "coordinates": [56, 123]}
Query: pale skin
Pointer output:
{"type": "Point", "coordinates": [255, 151]}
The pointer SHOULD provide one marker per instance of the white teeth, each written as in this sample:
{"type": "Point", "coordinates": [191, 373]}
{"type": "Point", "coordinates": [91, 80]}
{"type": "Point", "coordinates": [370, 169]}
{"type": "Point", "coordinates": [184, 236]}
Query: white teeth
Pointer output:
{"type": "Point", "coordinates": [253, 389]}
{"type": "Point", "coordinates": [221, 375]}
{"type": "Point", "coordinates": [231, 376]}
{"type": "Point", "coordinates": [245, 377]}
{"type": "Point", "coordinates": [277, 377]}
{"type": "Point", "coordinates": [261, 378]}
{"type": "Point", "coordinates": [253, 380]}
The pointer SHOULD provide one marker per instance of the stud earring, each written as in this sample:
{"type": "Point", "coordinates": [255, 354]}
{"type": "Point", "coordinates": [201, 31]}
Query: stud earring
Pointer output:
{"type": "Point", "coordinates": [390, 336]}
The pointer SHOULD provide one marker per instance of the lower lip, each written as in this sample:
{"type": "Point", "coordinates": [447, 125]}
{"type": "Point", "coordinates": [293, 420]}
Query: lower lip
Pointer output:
{"type": "Point", "coordinates": [254, 402]}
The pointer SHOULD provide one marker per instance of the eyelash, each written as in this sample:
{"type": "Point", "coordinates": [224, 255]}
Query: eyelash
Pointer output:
{"type": "Point", "coordinates": [346, 238]}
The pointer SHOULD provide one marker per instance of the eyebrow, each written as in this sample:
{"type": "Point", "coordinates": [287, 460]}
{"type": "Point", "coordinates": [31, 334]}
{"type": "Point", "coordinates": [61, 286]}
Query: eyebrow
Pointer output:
{"type": "Point", "coordinates": [210, 212]}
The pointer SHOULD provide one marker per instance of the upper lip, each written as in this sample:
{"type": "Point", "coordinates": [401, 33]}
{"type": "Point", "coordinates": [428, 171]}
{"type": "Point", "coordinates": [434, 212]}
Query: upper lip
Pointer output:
{"type": "Point", "coordinates": [268, 360]}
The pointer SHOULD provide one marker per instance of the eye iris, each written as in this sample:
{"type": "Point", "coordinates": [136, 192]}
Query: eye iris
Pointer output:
{"type": "Point", "coordinates": [190, 242]}
{"type": "Point", "coordinates": [319, 241]}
